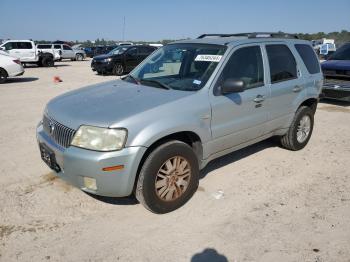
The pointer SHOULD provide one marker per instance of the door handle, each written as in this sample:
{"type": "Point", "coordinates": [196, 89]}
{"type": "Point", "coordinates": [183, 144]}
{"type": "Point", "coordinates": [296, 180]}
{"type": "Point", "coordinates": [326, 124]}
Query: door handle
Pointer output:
{"type": "Point", "coordinates": [297, 89]}
{"type": "Point", "coordinates": [259, 99]}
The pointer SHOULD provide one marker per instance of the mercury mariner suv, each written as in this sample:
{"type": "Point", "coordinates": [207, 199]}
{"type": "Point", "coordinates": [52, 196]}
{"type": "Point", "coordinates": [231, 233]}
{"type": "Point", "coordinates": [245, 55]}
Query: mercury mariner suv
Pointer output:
{"type": "Point", "coordinates": [186, 104]}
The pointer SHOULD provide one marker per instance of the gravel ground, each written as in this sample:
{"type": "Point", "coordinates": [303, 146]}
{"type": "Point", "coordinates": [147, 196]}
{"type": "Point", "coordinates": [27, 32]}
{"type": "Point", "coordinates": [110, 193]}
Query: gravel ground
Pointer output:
{"type": "Point", "coordinates": [277, 205]}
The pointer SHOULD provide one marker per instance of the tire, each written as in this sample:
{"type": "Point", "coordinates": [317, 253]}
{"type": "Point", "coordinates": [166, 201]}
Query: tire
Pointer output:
{"type": "Point", "coordinates": [79, 57]}
{"type": "Point", "coordinates": [303, 122]}
{"type": "Point", "coordinates": [118, 70]}
{"type": "Point", "coordinates": [99, 72]}
{"type": "Point", "coordinates": [3, 76]}
{"type": "Point", "coordinates": [174, 189]}
{"type": "Point", "coordinates": [47, 62]}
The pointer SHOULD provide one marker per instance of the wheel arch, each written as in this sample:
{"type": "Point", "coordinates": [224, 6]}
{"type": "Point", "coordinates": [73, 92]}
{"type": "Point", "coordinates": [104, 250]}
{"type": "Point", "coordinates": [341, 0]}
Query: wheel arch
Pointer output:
{"type": "Point", "coordinates": [190, 138]}
{"type": "Point", "coordinates": [7, 74]}
{"type": "Point", "coordinates": [310, 102]}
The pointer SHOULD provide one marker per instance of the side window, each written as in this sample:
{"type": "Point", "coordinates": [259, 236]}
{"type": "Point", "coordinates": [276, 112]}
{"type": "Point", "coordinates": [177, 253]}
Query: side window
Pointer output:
{"type": "Point", "coordinates": [132, 51]}
{"type": "Point", "coordinates": [282, 63]}
{"type": "Point", "coordinates": [25, 45]}
{"type": "Point", "coordinates": [9, 46]}
{"type": "Point", "coordinates": [309, 58]}
{"type": "Point", "coordinates": [245, 64]}
{"type": "Point", "coordinates": [57, 46]}
{"type": "Point", "coordinates": [143, 50]}
{"type": "Point", "coordinates": [65, 47]}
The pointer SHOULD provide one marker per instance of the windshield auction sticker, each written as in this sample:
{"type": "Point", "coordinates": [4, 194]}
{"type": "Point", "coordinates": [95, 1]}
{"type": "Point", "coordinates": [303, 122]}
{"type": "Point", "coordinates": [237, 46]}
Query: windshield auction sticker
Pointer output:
{"type": "Point", "coordinates": [209, 58]}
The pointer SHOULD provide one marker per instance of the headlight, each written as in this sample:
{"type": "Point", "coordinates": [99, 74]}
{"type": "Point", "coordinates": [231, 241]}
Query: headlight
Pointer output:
{"type": "Point", "coordinates": [99, 139]}
{"type": "Point", "coordinates": [107, 60]}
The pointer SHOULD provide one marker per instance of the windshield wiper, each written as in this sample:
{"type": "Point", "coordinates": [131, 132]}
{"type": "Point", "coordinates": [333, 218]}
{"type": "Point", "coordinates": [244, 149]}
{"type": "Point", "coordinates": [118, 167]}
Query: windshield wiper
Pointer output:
{"type": "Point", "coordinates": [164, 86]}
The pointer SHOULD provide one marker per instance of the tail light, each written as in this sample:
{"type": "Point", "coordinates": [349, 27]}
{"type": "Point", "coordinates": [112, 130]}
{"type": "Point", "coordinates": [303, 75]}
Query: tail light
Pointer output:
{"type": "Point", "coordinates": [17, 61]}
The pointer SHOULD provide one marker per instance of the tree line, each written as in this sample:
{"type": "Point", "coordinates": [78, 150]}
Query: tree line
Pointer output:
{"type": "Point", "coordinates": [339, 37]}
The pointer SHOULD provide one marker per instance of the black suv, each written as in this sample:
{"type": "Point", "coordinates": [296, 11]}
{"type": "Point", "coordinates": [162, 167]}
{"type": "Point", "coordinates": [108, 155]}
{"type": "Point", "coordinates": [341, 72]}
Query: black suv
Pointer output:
{"type": "Point", "coordinates": [121, 59]}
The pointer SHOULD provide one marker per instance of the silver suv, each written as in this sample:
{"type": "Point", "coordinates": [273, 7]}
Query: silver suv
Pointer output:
{"type": "Point", "coordinates": [186, 104]}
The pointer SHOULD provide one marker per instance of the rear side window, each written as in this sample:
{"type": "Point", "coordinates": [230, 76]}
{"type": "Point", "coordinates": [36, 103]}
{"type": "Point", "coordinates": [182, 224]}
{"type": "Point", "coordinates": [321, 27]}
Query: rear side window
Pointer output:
{"type": "Point", "coordinates": [44, 46]}
{"type": "Point", "coordinates": [282, 63]}
{"type": "Point", "coordinates": [245, 64]}
{"type": "Point", "coordinates": [309, 58]}
{"type": "Point", "coordinates": [24, 45]}
{"type": "Point", "coordinates": [57, 46]}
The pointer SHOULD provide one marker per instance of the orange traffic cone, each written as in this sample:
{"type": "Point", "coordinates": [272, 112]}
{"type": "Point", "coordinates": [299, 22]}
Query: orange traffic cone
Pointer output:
{"type": "Point", "coordinates": [57, 79]}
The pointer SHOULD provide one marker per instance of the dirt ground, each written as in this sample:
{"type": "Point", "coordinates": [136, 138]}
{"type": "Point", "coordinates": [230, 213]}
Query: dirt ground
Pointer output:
{"type": "Point", "coordinates": [277, 205]}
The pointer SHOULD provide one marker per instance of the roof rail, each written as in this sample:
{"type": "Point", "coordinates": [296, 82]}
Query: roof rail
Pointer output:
{"type": "Point", "coordinates": [253, 35]}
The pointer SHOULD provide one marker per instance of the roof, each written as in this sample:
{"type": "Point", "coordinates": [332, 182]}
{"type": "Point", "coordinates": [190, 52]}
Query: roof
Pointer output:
{"type": "Point", "coordinates": [228, 39]}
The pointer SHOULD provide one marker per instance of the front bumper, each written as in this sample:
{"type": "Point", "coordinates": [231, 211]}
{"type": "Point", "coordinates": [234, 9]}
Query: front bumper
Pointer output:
{"type": "Point", "coordinates": [336, 89]}
{"type": "Point", "coordinates": [105, 67]}
{"type": "Point", "coordinates": [76, 163]}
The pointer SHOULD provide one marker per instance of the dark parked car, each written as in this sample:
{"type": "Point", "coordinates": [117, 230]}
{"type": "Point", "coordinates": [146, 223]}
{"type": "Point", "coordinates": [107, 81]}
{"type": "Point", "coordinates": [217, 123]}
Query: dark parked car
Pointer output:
{"type": "Point", "coordinates": [90, 51]}
{"type": "Point", "coordinates": [336, 71]}
{"type": "Point", "coordinates": [121, 59]}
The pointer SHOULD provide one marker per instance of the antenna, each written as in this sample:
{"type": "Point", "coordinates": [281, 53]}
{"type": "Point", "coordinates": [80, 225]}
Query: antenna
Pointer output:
{"type": "Point", "coordinates": [123, 29]}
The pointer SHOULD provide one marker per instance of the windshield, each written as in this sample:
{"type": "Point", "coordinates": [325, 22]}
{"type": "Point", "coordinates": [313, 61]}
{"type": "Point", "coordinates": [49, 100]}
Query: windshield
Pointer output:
{"type": "Point", "coordinates": [343, 53]}
{"type": "Point", "coordinates": [119, 50]}
{"type": "Point", "coordinates": [179, 66]}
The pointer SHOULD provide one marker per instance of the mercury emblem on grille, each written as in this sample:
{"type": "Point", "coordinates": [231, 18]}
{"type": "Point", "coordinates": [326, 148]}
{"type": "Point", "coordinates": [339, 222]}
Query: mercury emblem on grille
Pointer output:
{"type": "Point", "coordinates": [51, 126]}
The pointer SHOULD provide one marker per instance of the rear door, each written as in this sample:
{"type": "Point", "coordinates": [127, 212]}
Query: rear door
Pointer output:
{"type": "Point", "coordinates": [286, 84]}
{"type": "Point", "coordinates": [240, 117]}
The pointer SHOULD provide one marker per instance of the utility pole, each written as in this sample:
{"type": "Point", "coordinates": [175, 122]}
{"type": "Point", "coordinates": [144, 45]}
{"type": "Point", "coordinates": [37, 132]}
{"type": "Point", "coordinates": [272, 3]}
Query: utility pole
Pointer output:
{"type": "Point", "coordinates": [123, 28]}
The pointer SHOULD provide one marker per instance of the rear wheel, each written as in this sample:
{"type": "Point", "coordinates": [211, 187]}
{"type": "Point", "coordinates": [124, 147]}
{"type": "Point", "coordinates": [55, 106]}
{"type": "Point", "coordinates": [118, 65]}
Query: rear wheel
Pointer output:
{"type": "Point", "coordinates": [3, 76]}
{"type": "Point", "coordinates": [300, 131]}
{"type": "Point", "coordinates": [168, 178]}
{"type": "Point", "coordinates": [47, 62]}
{"type": "Point", "coordinates": [118, 70]}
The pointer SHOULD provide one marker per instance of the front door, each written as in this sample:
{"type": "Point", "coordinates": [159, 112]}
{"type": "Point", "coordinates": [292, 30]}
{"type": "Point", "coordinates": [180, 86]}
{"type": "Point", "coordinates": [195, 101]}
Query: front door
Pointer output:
{"type": "Point", "coordinates": [131, 58]}
{"type": "Point", "coordinates": [239, 117]}
{"type": "Point", "coordinates": [67, 52]}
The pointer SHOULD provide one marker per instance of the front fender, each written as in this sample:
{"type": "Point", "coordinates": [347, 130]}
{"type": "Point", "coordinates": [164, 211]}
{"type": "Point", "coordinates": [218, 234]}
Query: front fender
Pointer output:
{"type": "Point", "coordinates": [165, 127]}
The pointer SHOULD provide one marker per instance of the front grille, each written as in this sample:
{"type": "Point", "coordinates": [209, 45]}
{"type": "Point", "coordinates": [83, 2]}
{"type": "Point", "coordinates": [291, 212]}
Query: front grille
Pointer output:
{"type": "Point", "coordinates": [61, 134]}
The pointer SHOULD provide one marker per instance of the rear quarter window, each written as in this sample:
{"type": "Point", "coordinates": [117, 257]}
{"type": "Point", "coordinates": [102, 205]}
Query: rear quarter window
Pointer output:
{"type": "Point", "coordinates": [309, 58]}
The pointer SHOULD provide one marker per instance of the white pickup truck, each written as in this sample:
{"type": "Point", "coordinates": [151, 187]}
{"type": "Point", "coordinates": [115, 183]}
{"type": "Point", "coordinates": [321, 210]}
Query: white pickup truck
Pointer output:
{"type": "Point", "coordinates": [28, 53]}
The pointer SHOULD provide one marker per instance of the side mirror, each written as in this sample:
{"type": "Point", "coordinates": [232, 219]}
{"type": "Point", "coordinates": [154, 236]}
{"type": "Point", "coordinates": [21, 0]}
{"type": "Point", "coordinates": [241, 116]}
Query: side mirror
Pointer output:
{"type": "Point", "coordinates": [2, 48]}
{"type": "Point", "coordinates": [232, 86]}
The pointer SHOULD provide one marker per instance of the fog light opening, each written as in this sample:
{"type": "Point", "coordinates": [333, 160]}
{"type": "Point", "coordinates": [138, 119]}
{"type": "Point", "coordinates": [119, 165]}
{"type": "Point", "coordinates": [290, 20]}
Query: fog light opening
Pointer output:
{"type": "Point", "coordinates": [90, 183]}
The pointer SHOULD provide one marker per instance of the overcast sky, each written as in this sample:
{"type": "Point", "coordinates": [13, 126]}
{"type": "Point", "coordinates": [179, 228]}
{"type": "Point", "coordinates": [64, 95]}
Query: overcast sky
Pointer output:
{"type": "Point", "coordinates": [152, 20]}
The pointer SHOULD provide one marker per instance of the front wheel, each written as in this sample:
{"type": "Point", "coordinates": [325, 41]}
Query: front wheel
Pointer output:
{"type": "Point", "coordinates": [300, 130]}
{"type": "Point", "coordinates": [168, 178]}
{"type": "Point", "coordinates": [118, 70]}
{"type": "Point", "coordinates": [79, 57]}
{"type": "Point", "coordinates": [3, 76]}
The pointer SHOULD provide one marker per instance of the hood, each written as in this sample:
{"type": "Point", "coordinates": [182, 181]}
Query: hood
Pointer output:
{"type": "Point", "coordinates": [101, 57]}
{"type": "Point", "coordinates": [336, 65]}
{"type": "Point", "coordinates": [108, 103]}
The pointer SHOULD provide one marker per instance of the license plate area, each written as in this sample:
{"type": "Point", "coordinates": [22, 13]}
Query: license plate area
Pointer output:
{"type": "Point", "coordinates": [48, 156]}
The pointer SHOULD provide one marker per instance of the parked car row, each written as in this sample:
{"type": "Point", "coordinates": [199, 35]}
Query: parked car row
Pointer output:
{"type": "Point", "coordinates": [65, 51]}
{"type": "Point", "coordinates": [121, 59]}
